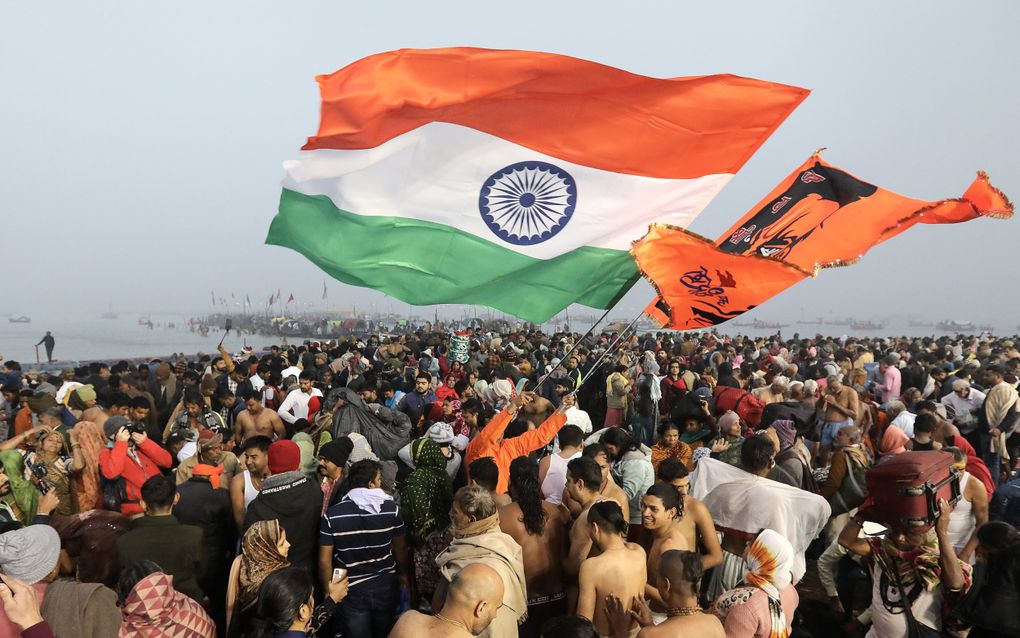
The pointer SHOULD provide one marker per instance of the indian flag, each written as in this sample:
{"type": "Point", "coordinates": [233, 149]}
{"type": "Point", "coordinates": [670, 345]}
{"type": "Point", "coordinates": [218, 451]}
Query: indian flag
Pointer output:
{"type": "Point", "coordinates": [510, 179]}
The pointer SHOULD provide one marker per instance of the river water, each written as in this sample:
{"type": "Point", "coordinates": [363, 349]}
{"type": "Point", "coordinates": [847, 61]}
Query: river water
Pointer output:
{"type": "Point", "coordinates": [83, 337]}
{"type": "Point", "coordinates": [92, 337]}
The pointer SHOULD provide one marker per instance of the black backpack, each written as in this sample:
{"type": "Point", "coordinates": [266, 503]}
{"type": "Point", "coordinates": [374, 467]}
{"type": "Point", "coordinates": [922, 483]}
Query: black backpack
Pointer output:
{"type": "Point", "coordinates": [114, 492]}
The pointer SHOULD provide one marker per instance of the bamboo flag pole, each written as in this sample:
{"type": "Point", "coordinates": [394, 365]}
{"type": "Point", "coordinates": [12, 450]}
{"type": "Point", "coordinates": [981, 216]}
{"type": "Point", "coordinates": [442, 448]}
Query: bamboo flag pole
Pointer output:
{"type": "Point", "coordinates": [574, 347]}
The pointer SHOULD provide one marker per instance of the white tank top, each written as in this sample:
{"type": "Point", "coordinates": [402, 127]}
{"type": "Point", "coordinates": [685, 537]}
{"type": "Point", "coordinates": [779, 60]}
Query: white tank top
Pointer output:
{"type": "Point", "coordinates": [961, 520]}
{"type": "Point", "coordinates": [250, 491]}
{"type": "Point", "coordinates": [556, 478]}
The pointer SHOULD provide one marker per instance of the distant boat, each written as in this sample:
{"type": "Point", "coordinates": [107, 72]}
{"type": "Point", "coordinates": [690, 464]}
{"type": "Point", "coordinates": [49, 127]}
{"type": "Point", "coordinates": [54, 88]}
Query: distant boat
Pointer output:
{"type": "Point", "coordinates": [810, 322]}
{"type": "Point", "coordinates": [914, 323]}
{"type": "Point", "coordinates": [986, 327]}
{"type": "Point", "coordinates": [109, 314]}
{"type": "Point", "coordinates": [768, 325]}
{"type": "Point", "coordinates": [868, 325]}
{"type": "Point", "coordinates": [19, 319]}
{"type": "Point", "coordinates": [838, 322]}
{"type": "Point", "coordinates": [955, 326]}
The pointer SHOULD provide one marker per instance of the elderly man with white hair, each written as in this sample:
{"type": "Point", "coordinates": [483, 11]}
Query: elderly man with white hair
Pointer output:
{"type": "Point", "coordinates": [962, 405]}
{"type": "Point", "coordinates": [900, 417]}
{"type": "Point", "coordinates": [774, 393]}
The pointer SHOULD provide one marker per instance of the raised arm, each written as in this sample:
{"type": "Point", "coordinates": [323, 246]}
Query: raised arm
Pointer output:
{"type": "Point", "coordinates": [953, 576]}
{"type": "Point", "coordinates": [850, 539]}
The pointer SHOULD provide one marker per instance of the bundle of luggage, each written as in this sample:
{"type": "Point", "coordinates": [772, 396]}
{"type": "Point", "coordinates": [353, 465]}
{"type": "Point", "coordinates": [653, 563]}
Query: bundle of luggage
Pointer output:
{"type": "Point", "coordinates": [906, 488]}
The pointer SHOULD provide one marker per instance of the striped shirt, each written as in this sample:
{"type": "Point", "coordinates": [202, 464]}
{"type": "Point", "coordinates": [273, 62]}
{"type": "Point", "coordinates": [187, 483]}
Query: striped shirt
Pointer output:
{"type": "Point", "coordinates": [362, 541]}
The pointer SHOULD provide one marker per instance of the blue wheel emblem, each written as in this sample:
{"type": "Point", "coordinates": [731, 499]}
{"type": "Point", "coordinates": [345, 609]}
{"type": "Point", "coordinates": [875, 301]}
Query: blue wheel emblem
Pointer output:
{"type": "Point", "coordinates": [528, 202]}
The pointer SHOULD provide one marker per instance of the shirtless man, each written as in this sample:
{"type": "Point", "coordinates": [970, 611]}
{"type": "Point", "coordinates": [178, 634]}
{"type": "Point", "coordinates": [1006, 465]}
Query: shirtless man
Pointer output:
{"type": "Point", "coordinates": [619, 570]}
{"type": "Point", "coordinates": [485, 473]}
{"type": "Point", "coordinates": [661, 511]}
{"type": "Point", "coordinates": [256, 420]}
{"type": "Point", "coordinates": [608, 488]}
{"type": "Point", "coordinates": [695, 521]}
{"type": "Point", "coordinates": [678, 586]}
{"type": "Point", "coordinates": [842, 407]}
{"type": "Point", "coordinates": [583, 482]}
{"type": "Point", "coordinates": [474, 595]}
{"type": "Point", "coordinates": [540, 528]}
{"type": "Point", "coordinates": [246, 485]}
{"type": "Point", "coordinates": [945, 431]}
{"type": "Point", "coordinates": [537, 410]}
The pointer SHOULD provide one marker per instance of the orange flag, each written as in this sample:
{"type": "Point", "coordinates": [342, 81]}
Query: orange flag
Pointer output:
{"type": "Point", "coordinates": [700, 285]}
{"type": "Point", "coordinates": [822, 216]}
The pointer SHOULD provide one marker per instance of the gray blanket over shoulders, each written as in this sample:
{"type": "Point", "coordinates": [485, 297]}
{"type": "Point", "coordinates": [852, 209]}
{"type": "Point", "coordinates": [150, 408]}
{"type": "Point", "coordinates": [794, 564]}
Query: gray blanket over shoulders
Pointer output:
{"type": "Point", "coordinates": [386, 430]}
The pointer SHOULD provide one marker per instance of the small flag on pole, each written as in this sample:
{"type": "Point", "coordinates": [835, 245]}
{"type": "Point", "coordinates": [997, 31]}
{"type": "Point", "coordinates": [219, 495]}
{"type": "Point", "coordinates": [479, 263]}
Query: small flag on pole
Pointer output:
{"type": "Point", "coordinates": [291, 298]}
{"type": "Point", "coordinates": [821, 215]}
{"type": "Point", "coordinates": [713, 286]}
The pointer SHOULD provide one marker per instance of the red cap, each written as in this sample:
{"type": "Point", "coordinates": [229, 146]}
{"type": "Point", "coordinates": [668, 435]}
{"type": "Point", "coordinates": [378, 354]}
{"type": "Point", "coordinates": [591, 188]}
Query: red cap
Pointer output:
{"type": "Point", "coordinates": [284, 456]}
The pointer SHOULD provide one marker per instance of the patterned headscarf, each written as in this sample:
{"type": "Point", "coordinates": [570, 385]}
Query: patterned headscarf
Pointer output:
{"type": "Point", "coordinates": [921, 564]}
{"type": "Point", "coordinates": [769, 568]}
{"type": "Point", "coordinates": [154, 608]}
{"type": "Point", "coordinates": [786, 430]}
{"type": "Point", "coordinates": [260, 556]}
{"type": "Point", "coordinates": [427, 494]}
{"type": "Point", "coordinates": [23, 494]}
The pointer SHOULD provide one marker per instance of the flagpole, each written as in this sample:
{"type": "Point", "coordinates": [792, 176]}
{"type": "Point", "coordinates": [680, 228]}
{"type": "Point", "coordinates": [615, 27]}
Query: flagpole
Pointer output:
{"type": "Point", "coordinates": [574, 347]}
{"type": "Point", "coordinates": [610, 350]}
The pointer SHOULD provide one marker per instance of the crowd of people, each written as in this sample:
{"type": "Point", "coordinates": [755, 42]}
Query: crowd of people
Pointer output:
{"type": "Point", "coordinates": [557, 485]}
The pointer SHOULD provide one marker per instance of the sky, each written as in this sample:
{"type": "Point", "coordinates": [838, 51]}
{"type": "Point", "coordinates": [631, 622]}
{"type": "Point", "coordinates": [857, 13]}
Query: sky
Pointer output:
{"type": "Point", "coordinates": [141, 143]}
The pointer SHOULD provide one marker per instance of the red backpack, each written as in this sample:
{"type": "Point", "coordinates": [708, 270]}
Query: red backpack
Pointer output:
{"type": "Point", "coordinates": [747, 406]}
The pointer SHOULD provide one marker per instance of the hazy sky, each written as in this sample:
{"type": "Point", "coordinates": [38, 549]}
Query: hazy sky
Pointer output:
{"type": "Point", "coordinates": [141, 142]}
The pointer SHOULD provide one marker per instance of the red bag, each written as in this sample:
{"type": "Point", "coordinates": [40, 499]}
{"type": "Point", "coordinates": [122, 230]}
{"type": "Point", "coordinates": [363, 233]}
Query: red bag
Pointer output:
{"type": "Point", "coordinates": [747, 406]}
{"type": "Point", "coordinates": [906, 488]}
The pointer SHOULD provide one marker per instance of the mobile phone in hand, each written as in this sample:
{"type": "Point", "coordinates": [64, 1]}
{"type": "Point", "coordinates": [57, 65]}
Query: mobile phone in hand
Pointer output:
{"type": "Point", "coordinates": [339, 574]}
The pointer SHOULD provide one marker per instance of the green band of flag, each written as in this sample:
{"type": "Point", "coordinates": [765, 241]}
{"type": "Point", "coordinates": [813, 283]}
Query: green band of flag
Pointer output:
{"type": "Point", "coordinates": [426, 263]}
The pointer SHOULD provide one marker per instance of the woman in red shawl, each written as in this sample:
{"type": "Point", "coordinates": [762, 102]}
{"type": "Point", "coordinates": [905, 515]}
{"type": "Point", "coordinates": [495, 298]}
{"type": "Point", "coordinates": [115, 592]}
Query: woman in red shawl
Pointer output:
{"type": "Point", "coordinates": [447, 389]}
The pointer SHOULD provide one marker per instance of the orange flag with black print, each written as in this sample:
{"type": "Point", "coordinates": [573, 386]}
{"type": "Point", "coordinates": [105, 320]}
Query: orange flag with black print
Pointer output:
{"type": "Point", "coordinates": [822, 216]}
{"type": "Point", "coordinates": [701, 286]}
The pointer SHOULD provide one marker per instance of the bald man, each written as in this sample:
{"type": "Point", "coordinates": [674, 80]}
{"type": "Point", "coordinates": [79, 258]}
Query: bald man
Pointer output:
{"type": "Point", "coordinates": [472, 600]}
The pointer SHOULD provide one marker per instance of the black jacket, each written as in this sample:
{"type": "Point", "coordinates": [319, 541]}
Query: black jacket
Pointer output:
{"type": "Point", "coordinates": [176, 548]}
{"type": "Point", "coordinates": [209, 509]}
{"type": "Point", "coordinates": [297, 502]}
